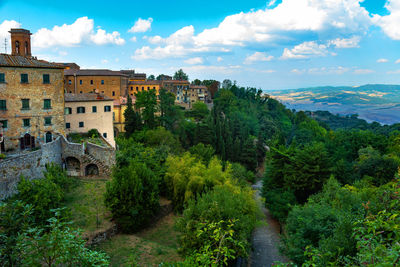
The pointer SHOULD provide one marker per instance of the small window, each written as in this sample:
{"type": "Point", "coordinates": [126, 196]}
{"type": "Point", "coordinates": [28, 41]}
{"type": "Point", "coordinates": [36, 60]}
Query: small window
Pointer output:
{"type": "Point", "coordinates": [137, 88]}
{"type": "Point", "coordinates": [81, 124]}
{"type": "Point", "coordinates": [25, 103]}
{"type": "Point", "coordinates": [105, 135]}
{"type": "Point", "coordinates": [46, 78]}
{"type": "Point", "coordinates": [3, 104]}
{"type": "Point", "coordinates": [91, 81]}
{"type": "Point", "coordinates": [47, 121]}
{"type": "Point", "coordinates": [24, 78]}
{"type": "Point", "coordinates": [69, 82]}
{"type": "Point", "coordinates": [26, 122]}
{"type": "Point", "coordinates": [94, 109]}
{"type": "Point", "coordinates": [68, 125]}
{"type": "Point", "coordinates": [102, 81]}
{"type": "Point", "coordinates": [102, 92]}
{"type": "Point", "coordinates": [4, 123]}
{"type": "Point", "coordinates": [47, 104]}
{"type": "Point", "coordinates": [2, 78]}
{"type": "Point", "coordinates": [154, 87]}
{"type": "Point", "coordinates": [107, 108]}
{"type": "Point", "coordinates": [80, 82]}
{"type": "Point", "coordinates": [131, 86]}
{"type": "Point", "coordinates": [148, 87]}
{"type": "Point", "coordinates": [80, 110]}
{"type": "Point", "coordinates": [67, 111]}
{"type": "Point", "coordinates": [142, 88]}
{"type": "Point", "coordinates": [113, 93]}
{"type": "Point", "coordinates": [80, 92]}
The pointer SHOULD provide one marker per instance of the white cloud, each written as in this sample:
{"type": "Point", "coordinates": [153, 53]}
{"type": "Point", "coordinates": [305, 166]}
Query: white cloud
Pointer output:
{"type": "Point", "coordinates": [82, 30]}
{"type": "Point", "coordinates": [133, 39]}
{"type": "Point", "coordinates": [297, 71]}
{"type": "Point", "coordinates": [257, 56]}
{"type": "Point", "coordinates": [201, 69]}
{"type": "Point", "coordinates": [305, 50]}
{"type": "Point", "coordinates": [5, 26]}
{"type": "Point", "coordinates": [63, 53]}
{"type": "Point", "coordinates": [219, 59]}
{"type": "Point", "coordinates": [271, 3]}
{"type": "Point", "coordinates": [287, 21]}
{"type": "Point", "coordinates": [394, 72]}
{"type": "Point", "coordinates": [322, 71]}
{"type": "Point", "coordinates": [104, 61]}
{"type": "Point", "coordinates": [352, 42]}
{"type": "Point", "coordinates": [141, 25]}
{"type": "Point", "coordinates": [382, 60]}
{"type": "Point", "coordinates": [194, 61]}
{"type": "Point", "coordinates": [390, 23]}
{"type": "Point", "coordinates": [363, 71]}
{"type": "Point", "coordinates": [397, 61]}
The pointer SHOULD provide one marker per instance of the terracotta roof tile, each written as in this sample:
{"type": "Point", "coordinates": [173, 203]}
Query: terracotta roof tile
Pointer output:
{"type": "Point", "coordinates": [26, 62]}
{"type": "Point", "coordinates": [85, 97]}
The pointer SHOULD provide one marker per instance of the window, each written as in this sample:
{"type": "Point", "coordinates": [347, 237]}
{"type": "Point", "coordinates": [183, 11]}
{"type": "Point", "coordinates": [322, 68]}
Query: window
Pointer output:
{"type": "Point", "coordinates": [67, 111]}
{"type": "Point", "coordinates": [3, 104]}
{"type": "Point", "coordinates": [137, 88]}
{"type": "Point", "coordinates": [91, 81]}
{"type": "Point", "coordinates": [154, 87]}
{"type": "Point", "coordinates": [68, 125]}
{"type": "Point", "coordinates": [47, 103]}
{"type": "Point", "coordinates": [4, 123]}
{"type": "Point", "coordinates": [24, 78]}
{"type": "Point", "coordinates": [81, 124]}
{"type": "Point", "coordinates": [105, 135]}
{"type": "Point", "coordinates": [46, 78]}
{"type": "Point", "coordinates": [2, 78]}
{"type": "Point", "coordinates": [142, 88]}
{"type": "Point", "coordinates": [49, 137]}
{"type": "Point", "coordinates": [69, 82]}
{"type": "Point", "coordinates": [131, 87]}
{"type": "Point", "coordinates": [80, 92]}
{"type": "Point", "coordinates": [80, 110]}
{"type": "Point", "coordinates": [148, 87]}
{"type": "Point", "coordinates": [25, 103]}
{"type": "Point", "coordinates": [94, 109]}
{"type": "Point", "coordinates": [80, 82]}
{"type": "Point", "coordinates": [107, 108]}
{"type": "Point", "coordinates": [113, 93]}
{"type": "Point", "coordinates": [102, 92]}
{"type": "Point", "coordinates": [26, 122]}
{"type": "Point", "coordinates": [47, 121]}
{"type": "Point", "coordinates": [102, 81]}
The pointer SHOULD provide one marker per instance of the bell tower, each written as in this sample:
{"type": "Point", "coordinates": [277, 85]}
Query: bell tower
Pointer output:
{"type": "Point", "coordinates": [20, 42]}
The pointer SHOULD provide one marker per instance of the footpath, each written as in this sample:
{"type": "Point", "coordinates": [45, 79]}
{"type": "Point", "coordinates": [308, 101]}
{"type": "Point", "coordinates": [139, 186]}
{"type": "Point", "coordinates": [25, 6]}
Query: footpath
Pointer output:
{"type": "Point", "coordinates": [265, 239]}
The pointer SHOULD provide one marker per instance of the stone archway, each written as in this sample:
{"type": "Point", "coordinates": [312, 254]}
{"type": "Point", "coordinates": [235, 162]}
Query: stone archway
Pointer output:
{"type": "Point", "coordinates": [91, 169]}
{"type": "Point", "coordinates": [73, 166]}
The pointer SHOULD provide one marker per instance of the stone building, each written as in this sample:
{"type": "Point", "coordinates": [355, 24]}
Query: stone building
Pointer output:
{"type": "Point", "coordinates": [87, 111]}
{"type": "Point", "coordinates": [180, 89]}
{"type": "Point", "coordinates": [133, 76]}
{"type": "Point", "coordinates": [31, 96]}
{"type": "Point", "coordinates": [198, 93]}
{"type": "Point", "coordinates": [112, 84]}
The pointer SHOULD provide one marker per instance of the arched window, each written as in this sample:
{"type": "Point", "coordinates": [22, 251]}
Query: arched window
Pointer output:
{"type": "Point", "coordinates": [49, 137]}
{"type": "Point", "coordinates": [17, 47]}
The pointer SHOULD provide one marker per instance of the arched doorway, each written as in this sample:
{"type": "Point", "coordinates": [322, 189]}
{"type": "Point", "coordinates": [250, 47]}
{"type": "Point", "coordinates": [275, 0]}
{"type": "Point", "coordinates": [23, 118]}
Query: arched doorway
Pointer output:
{"type": "Point", "coordinates": [91, 169]}
{"type": "Point", "coordinates": [27, 141]}
{"type": "Point", "coordinates": [49, 137]}
{"type": "Point", "coordinates": [73, 166]}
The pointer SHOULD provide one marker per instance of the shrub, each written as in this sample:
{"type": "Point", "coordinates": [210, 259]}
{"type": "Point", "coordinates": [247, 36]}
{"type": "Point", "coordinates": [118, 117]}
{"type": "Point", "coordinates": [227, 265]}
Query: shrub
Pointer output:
{"type": "Point", "coordinates": [132, 196]}
{"type": "Point", "coordinates": [2, 156]}
{"type": "Point", "coordinates": [203, 152]}
{"type": "Point", "coordinates": [93, 133]}
{"type": "Point", "coordinates": [57, 175]}
{"type": "Point", "coordinates": [241, 174]}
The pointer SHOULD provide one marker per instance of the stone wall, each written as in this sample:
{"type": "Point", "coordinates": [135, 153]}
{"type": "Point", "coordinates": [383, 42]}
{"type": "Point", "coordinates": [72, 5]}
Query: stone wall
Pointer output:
{"type": "Point", "coordinates": [30, 165]}
{"type": "Point", "coordinates": [102, 154]}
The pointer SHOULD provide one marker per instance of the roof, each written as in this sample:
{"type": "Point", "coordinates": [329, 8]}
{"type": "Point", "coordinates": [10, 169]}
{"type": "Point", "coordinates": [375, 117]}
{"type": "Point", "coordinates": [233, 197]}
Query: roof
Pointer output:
{"type": "Point", "coordinates": [175, 82]}
{"type": "Point", "coordinates": [68, 65]}
{"type": "Point", "coordinates": [7, 60]}
{"type": "Point", "coordinates": [86, 97]}
{"type": "Point", "coordinates": [123, 100]}
{"type": "Point", "coordinates": [192, 86]}
{"type": "Point", "coordinates": [93, 72]}
{"type": "Point", "coordinates": [147, 82]}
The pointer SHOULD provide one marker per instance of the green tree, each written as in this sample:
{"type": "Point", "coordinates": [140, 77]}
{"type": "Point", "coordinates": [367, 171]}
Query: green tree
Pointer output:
{"type": "Point", "coordinates": [132, 195]}
{"type": "Point", "coordinates": [170, 114]}
{"type": "Point", "coordinates": [203, 152]}
{"type": "Point", "coordinates": [146, 102]}
{"type": "Point", "coordinates": [151, 77]}
{"type": "Point", "coordinates": [181, 76]}
{"type": "Point", "coordinates": [226, 84]}
{"type": "Point", "coordinates": [199, 111]}
{"type": "Point", "coordinates": [196, 82]}
{"type": "Point", "coordinates": [133, 121]}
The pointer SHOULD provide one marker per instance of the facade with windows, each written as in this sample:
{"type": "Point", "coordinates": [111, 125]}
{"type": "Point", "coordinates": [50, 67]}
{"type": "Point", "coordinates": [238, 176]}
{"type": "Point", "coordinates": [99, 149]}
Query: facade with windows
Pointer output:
{"type": "Point", "coordinates": [87, 111]}
{"type": "Point", "coordinates": [31, 96]}
{"type": "Point", "coordinates": [181, 91]}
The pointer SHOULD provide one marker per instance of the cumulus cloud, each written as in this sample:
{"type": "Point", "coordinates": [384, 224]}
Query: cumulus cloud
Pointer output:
{"type": "Point", "coordinates": [389, 23]}
{"type": "Point", "coordinates": [141, 25]}
{"type": "Point", "coordinates": [219, 59]}
{"type": "Point", "coordinates": [134, 39]}
{"type": "Point", "coordinates": [287, 21]}
{"type": "Point", "coordinates": [382, 60]}
{"type": "Point", "coordinates": [397, 61]}
{"type": "Point", "coordinates": [5, 27]}
{"type": "Point", "coordinates": [352, 42]}
{"type": "Point", "coordinates": [322, 71]}
{"type": "Point", "coordinates": [305, 50]}
{"type": "Point", "coordinates": [363, 71]}
{"type": "Point", "coordinates": [82, 30]}
{"type": "Point", "coordinates": [394, 72]}
{"type": "Point", "coordinates": [257, 56]}
{"type": "Point", "coordinates": [194, 61]}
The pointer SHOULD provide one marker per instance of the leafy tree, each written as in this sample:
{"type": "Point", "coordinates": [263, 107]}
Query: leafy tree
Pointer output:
{"type": "Point", "coordinates": [248, 155]}
{"type": "Point", "coordinates": [146, 101]}
{"type": "Point", "coordinates": [199, 111]}
{"type": "Point", "coordinates": [151, 77]}
{"type": "Point", "coordinates": [212, 86]}
{"type": "Point", "coordinates": [196, 82]}
{"type": "Point", "coordinates": [133, 121]}
{"type": "Point", "coordinates": [226, 84]}
{"type": "Point", "coordinates": [181, 76]}
{"type": "Point", "coordinates": [241, 174]}
{"type": "Point", "coordinates": [132, 196]}
{"type": "Point", "coordinates": [170, 114]}
{"type": "Point", "coordinates": [203, 152]}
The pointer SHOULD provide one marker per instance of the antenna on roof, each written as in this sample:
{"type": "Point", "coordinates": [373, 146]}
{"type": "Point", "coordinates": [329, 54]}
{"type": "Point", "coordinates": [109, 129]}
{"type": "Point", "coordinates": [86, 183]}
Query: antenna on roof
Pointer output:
{"type": "Point", "coordinates": [5, 45]}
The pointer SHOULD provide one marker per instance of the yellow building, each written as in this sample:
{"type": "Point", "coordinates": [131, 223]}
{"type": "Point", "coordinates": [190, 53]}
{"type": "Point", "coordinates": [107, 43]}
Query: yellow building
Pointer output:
{"type": "Point", "coordinates": [31, 96]}
{"type": "Point", "coordinates": [120, 106]}
{"type": "Point", "coordinates": [140, 86]}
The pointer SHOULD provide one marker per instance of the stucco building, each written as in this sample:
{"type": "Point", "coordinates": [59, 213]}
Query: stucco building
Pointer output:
{"type": "Point", "coordinates": [120, 106]}
{"type": "Point", "coordinates": [140, 86]}
{"type": "Point", "coordinates": [180, 89]}
{"type": "Point", "coordinates": [31, 96]}
{"type": "Point", "coordinates": [87, 111]}
{"type": "Point", "coordinates": [198, 93]}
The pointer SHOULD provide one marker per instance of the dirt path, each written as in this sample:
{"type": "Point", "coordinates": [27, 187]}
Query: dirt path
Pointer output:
{"type": "Point", "coordinates": [265, 239]}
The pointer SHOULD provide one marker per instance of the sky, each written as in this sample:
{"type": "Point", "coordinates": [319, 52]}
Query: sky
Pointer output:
{"type": "Point", "coordinates": [270, 44]}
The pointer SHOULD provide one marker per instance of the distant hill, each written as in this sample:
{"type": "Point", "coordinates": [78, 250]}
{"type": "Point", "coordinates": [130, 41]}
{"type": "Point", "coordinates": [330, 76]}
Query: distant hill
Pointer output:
{"type": "Point", "coordinates": [372, 102]}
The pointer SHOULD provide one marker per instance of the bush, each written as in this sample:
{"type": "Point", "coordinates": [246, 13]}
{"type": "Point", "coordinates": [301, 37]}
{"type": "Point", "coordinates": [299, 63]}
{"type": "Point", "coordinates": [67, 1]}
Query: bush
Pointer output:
{"type": "Point", "coordinates": [93, 133]}
{"type": "Point", "coordinates": [2, 156]}
{"type": "Point", "coordinates": [226, 208]}
{"type": "Point", "coordinates": [203, 152]}
{"type": "Point", "coordinates": [132, 196]}
{"type": "Point", "coordinates": [241, 174]}
{"type": "Point", "coordinates": [159, 137]}
{"type": "Point", "coordinates": [58, 176]}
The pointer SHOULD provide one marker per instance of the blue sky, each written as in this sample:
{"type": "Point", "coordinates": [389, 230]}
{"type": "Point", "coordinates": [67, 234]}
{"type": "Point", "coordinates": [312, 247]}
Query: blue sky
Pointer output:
{"type": "Point", "coordinates": [274, 44]}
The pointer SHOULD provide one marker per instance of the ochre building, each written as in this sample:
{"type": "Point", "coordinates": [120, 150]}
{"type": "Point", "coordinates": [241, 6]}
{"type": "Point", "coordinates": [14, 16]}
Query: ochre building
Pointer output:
{"type": "Point", "coordinates": [31, 96]}
{"type": "Point", "coordinates": [120, 106]}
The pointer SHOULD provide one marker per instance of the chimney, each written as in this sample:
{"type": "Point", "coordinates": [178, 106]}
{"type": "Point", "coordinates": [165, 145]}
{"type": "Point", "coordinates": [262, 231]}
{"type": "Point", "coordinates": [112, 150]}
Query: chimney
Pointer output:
{"type": "Point", "coordinates": [20, 42]}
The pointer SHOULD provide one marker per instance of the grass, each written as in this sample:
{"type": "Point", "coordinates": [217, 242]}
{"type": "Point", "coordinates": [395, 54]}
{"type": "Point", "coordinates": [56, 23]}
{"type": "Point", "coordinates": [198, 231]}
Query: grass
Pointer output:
{"type": "Point", "coordinates": [149, 247]}
{"type": "Point", "coordinates": [86, 202]}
